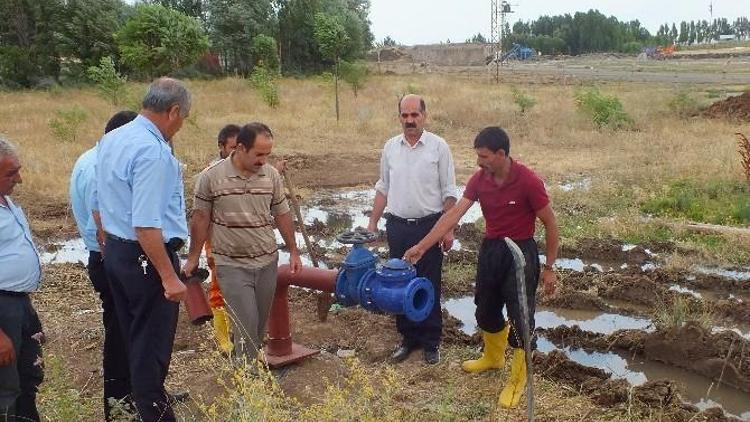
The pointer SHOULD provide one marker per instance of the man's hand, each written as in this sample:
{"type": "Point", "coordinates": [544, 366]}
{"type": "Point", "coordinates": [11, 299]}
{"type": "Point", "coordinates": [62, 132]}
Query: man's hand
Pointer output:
{"type": "Point", "coordinates": [372, 227]}
{"type": "Point", "coordinates": [7, 352]}
{"type": "Point", "coordinates": [174, 289]}
{"type": "Point", "coordinates": [295, 262]}
{"type": "Point", "coordinates": [549, 281]}
{"type": "Point", "coordinates": [414, 254]}
{"type": "Point", "coordinates": [280, 165]}
{"type": "Point", "coordinates": [189, 267]}
{"type": "Point", "coordinates": [447, 242]}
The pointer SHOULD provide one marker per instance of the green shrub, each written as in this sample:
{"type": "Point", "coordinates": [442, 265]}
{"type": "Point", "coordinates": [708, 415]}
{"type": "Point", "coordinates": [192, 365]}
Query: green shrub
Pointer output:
{"type": "Point", "coordinates": [264, 81]}
{"type": "Point", "coordinates": [719, 202]}
{"type": "Point", "coordinates": [683, 105]}
{"type": "Point", "coordinates": [523, 101]}
{"type": "Point", "coordinates": [109, 82]}
{"type": "Point", "coordinates": [65, 124]}
{"type": "Point", "coordinates": [355, 74]}
{"type": "Point", "coordinates": [265, 53]}
{"type": "Point", "coordinates": [604, 110]}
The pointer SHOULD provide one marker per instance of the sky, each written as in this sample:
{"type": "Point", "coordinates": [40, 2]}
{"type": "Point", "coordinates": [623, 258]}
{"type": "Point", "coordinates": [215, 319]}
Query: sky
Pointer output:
{"type": "Point", "coordinates": [412, 22]}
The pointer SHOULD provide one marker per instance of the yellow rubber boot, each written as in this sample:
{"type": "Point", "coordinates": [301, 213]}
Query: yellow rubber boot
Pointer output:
{"type": "Point", "coordinates": [493, 356]}
{"type": "Point", "coordinates": [221, 330]}
{"type": "Point", "coordinates": [511, 394]}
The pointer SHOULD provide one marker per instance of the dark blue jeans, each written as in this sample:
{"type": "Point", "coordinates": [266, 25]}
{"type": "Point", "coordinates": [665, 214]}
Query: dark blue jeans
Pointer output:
{"type": "Point", "coordinates": [402, 236]}
{"type": "Point", "coordinates": [148, 322]}
{"type": "Point", "coordinates": [19, 381]}
{"type": "Point", "coordinates": [114, 357]}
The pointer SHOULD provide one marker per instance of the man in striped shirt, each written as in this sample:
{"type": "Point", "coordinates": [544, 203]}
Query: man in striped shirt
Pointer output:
{"type": "Point", "coordinates": [237, 202]}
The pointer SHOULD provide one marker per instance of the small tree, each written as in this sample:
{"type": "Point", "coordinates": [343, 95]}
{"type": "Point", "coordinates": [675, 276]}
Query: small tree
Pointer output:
{"type": "Point", "coordinates": [111, 85]}
{"type": "Point", "coordinates": [355, 74]}
{"type": "Point", "coordinates": [263, 80]}
{"type": "Point", "coordinates": [523, 101]}
{"type": "Point", "coordinates": [331, 37]}
{"type": "Point", "coordinates": [266, 53]}
{"type": "Point", "coordinates": [65, 124]}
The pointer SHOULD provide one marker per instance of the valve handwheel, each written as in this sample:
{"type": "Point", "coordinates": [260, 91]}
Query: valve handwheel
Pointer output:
{"type": "Point", "coordinates": [357, 236]}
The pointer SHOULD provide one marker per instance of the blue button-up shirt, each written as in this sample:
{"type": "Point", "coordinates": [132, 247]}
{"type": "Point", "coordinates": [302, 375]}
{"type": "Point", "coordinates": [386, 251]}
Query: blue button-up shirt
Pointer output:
{"type": "Point", "coordinates": [20, 268]}
{"type": "Point", "coordinates": [82, 190]}
{"type": "Point", "coordinates": [139, 182]}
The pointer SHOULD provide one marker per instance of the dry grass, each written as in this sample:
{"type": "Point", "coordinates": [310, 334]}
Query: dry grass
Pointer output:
{"type": "Point", "coordinates": [552, 136]}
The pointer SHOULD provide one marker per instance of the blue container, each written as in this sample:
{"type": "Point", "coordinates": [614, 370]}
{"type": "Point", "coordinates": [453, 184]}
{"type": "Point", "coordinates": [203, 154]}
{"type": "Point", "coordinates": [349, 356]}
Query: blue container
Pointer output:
{"type": "Point", "coordinates": [357, 264]}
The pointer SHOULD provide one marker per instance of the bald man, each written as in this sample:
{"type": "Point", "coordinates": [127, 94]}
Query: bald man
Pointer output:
{"type": "Point", "coordinates": [417, 183]}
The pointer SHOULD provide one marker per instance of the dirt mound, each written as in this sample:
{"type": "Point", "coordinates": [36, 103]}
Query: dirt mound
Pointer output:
{"type": "Point", "coordinates": [737, 107]}
{"type": "Point", "coordinates": [723, 357]}
{"type": "Point", "coordinates": [574, 300]}
{"type": "Point", "coordinates": [608, 250]}
{"type": "Point", "coordinates": [637, 289]}
{"type": "Point", "coordinates": [575, 337]}
{"type": "Point", "coordinates": [597, 384]}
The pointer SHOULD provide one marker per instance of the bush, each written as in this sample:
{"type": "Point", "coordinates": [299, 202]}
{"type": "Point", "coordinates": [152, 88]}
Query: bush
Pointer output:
{"type": "Point", "coordinates": [355, 74]}
{"type": "Point", "coordinates": [109, 82]}
{"type": "Point", "coordinates": [65, 124]}
{"type": "Point", "coordinates": [523, 101]}
{"type": "Point", "coordinates": [720, 202]}
{"type": "Point", "coordinates": [683, 105]}
{"type": "Point", "coordinates": [265, 53]}
{"type": "Point", "coordinates": [604, 110]}
{"type": "Point", "coordinates": [264, 81]}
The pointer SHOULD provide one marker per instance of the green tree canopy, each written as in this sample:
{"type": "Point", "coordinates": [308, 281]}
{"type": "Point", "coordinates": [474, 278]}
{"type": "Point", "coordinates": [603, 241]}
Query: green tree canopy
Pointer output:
{"type": "Point", "coordinates": [158, 40]}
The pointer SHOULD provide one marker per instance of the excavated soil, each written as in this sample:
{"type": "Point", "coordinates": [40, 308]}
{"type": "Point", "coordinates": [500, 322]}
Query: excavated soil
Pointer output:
{"type": "Point", "coordinates": [737, 107]}
{"type": "Point", "coordinates": [604, 391]}
{"type": "Point", "coordinates": [723, 356]}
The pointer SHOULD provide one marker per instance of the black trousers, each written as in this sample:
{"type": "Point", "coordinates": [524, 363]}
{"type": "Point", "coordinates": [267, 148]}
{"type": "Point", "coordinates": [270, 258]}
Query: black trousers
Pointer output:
{"type": "Point", "coordinates": [114, 357]}
{"type": "Point", "coordinates": [19, 381]}
{"type": "Point", "coordinates": [148, 322]}
{"type": "Point", "coordinates": [496, 287]}
{"type": "Point", "coordinates": [402, 236]}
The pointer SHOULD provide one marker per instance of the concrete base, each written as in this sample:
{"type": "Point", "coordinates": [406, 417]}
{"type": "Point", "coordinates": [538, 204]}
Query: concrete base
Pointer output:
{"type": "Point", "coordinates": [299, 352]}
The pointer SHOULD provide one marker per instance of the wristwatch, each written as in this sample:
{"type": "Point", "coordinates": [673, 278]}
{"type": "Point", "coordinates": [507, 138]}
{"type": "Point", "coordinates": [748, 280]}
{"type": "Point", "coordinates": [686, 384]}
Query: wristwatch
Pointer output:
{"type": "Point", "coordinates": [548, 267]}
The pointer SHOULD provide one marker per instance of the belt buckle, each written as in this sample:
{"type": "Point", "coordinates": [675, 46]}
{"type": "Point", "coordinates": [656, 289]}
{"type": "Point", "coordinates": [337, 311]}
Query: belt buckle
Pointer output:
{"type": "Point", "coordinates": [412, 220]}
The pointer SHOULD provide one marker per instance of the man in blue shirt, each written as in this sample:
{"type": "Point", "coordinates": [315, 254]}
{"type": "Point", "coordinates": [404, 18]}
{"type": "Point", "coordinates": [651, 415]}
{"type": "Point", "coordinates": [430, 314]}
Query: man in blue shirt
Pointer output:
{"type": "Point", "coordinates": [142, 208]}
{"type": "Point", "coordinates": [82, 190]}
{"type": "Point", "coordinates": [20, 329]}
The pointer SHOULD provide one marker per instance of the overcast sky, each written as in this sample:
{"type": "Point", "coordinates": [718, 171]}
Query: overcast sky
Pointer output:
{"type": "Point", "coordinates": [432, 21]}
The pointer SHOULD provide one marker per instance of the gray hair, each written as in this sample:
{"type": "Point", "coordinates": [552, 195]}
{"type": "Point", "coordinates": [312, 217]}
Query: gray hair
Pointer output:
{"type": "Point", "coordinates": [7, 149]}
{"type": "Point", "coordinates": [165, 93]}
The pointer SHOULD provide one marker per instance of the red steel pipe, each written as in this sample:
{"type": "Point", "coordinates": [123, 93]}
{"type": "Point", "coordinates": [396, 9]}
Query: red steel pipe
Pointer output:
{"type": "Point", "coordinates": [279, 333]}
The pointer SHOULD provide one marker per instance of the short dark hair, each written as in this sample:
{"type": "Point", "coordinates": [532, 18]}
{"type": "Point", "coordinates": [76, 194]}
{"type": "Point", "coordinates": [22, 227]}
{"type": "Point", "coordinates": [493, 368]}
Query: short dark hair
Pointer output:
{"type": "Point", "coordinates": [493, 138]}
{"type": "Point", "coordinates": [227, 132]}
{"type": "Point", "coordinates": [422, 105]}
{"type": "Point", "coordinates": [250, 131]}
{"type": "Point", "coordinates": [120, 118]}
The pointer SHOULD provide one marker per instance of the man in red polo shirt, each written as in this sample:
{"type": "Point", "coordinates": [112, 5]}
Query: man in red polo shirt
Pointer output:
{"type": "Point", "coordinates": [512, 197]}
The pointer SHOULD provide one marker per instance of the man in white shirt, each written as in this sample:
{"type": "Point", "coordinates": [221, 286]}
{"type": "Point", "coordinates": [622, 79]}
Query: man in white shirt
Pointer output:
{"type": "Point", "coordinates": [417, 183]}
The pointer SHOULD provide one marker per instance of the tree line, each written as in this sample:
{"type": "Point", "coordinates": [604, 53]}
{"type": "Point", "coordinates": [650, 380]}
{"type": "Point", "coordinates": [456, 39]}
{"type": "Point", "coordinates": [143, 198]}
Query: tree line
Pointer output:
{"type": "Point", "coordinates": [593, 32]}
{"type": "Point", "coordinates": [56, 41]}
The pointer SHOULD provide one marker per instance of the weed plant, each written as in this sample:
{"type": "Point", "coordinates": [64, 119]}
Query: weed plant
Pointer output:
{"type": "Point", "coordinates": [66, 123]}
{"type": "Point", "coordinates": [264, 81]}
{"type": "Point", "coordinates": [523, 101]}
{"type": "Point", "coordinates": [604, 110]}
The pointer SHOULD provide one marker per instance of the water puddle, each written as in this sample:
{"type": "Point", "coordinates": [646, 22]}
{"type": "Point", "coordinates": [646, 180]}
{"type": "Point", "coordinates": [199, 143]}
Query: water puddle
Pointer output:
{"type": "Point", "coordinates": [70, 251]}
{"type": "Point", "coordinates": [699, 390]}
{"type": "Point", "coordinates": [582, 184]}
{"type": "Point", "coordinates": [594, 321]}
{"type": "Point", "coordinates": [740, 275]}
{"type": "Point", "coordinates": [695, 389]}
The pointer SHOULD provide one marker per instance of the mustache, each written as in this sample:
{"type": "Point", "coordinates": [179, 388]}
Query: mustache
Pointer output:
{"type": "Point", "coordinates": [410, 125]}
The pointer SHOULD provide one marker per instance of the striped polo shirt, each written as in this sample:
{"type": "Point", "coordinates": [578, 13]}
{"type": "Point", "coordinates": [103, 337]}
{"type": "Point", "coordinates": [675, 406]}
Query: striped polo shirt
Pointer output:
{"type": "Point", "coordinates": [242, 210]}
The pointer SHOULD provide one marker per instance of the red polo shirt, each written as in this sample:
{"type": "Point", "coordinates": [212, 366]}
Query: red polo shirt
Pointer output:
{"type": "Point", "coordinates": [509, 208]}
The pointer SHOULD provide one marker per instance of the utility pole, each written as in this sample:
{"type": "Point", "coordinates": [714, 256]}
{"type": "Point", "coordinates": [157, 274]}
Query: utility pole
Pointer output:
{"type": "Point", "coordinates": [497, 31]}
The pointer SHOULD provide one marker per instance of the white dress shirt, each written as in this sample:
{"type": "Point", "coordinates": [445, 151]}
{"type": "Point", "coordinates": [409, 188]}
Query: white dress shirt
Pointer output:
{"type": "Point", "coordinates": [416, 180]}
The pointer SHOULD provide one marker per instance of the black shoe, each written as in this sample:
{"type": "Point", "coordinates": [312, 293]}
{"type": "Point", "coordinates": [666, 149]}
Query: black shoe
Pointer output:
{"type": "Point", "coordinates": [432, 356]}
{"type": "Point", "coordinates": [402, 352]}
